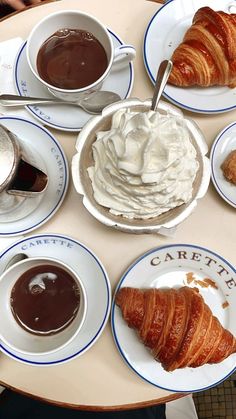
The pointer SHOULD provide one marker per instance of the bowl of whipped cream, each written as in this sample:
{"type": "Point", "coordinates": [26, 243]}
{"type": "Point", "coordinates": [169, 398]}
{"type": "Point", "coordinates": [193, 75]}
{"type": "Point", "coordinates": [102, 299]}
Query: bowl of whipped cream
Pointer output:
{"type": "Point", "coordinates": [140, 170]}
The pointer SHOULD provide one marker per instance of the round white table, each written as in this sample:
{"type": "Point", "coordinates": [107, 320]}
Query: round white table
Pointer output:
{"type": "Point", "coordinates": [100, 379]}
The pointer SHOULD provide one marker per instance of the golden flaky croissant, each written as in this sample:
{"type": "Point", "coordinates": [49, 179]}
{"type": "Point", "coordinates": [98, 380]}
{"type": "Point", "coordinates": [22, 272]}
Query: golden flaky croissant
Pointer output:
{"type": "Point", "coordinates": [207, 54]}
{"type": "Point", "coordinates": [176, 325]}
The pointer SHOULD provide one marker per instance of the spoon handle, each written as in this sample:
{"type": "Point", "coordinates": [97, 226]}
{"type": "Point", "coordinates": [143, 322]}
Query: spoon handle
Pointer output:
{"type": "Point", "coordinates": [13, 100]}
{"type": "Point", "coordinates": [161, 80]}
{"type": "Point", "coordinates": [16, 258]}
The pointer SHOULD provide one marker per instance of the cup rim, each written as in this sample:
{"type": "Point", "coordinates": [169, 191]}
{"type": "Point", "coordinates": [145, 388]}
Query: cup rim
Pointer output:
{"type": "Point", "coordinates": [47, 259]}
{"type": "Point", "coordinates": [58, 89]}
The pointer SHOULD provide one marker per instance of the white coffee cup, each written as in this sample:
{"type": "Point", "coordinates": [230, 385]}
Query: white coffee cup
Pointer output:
{"type": "Point", "coordinates": [18, 338]}
{"type": "Point", "coordinates": [75, 19]}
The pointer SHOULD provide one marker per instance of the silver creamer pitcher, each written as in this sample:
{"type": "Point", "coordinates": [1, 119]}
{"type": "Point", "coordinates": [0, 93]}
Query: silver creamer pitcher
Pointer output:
{"type": "Point", "coordinates": [18, 176]}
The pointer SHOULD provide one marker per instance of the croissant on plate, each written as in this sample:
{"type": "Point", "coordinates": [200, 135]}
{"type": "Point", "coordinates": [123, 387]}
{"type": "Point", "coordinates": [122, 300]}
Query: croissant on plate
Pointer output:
{"type": "Point", "coordinates": [176, 325]}
{"type": "Point", "coordinates": [207, 54]}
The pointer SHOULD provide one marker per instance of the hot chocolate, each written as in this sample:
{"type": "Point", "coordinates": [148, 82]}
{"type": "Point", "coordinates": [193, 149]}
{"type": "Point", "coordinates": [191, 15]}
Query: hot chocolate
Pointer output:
{"type": "Point", "coordinates": [45, 299]}
{"type": "Point", "coordinates": [71, 59]}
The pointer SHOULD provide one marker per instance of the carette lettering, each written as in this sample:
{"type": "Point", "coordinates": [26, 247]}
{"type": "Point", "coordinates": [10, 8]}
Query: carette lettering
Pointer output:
{"type": "Point", "coordinates": [46, 241]}
{"type": "Point", "coordinates": [207, 260]}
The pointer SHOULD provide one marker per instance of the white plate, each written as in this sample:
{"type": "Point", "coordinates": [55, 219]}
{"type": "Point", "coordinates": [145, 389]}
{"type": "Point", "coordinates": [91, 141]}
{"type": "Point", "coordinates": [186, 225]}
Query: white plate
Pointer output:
{"type": "Point", "coordinates": [224, 143]}
{"type": "Point", "coordinates": [164, 33]}
{"type": "Point", "coordinates": [66, 118]}
{"type": "Point", "coordinates": [167, 266]}
{"type": "Point", "coordinates": [42, 143]}
{"type": "Point", "coordinates": [96, 283]}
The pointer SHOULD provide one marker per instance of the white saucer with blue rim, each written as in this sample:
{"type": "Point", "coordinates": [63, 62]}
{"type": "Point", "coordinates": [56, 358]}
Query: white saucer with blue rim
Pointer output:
{"type": "Point", "coordinates": [95, 281]}
{"type": "Point", "coordinates": [164, 33]}
{"type": "Point", "coordinates": [66, 118]}
{"type": "Point", "coordinates": [42, 144]}
{"type": "Point", "coordinates": [224, 143]}
{"type": "Point", "coordinates": [167, 267]}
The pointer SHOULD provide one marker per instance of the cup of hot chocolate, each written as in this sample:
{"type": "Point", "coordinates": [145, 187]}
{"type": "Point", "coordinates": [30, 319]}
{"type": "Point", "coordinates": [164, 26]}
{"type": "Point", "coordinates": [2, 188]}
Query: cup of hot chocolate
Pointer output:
{"type": "Point", "coordinates": [71, 53]}
{"type": "Point", "coordinates": [43, 304]}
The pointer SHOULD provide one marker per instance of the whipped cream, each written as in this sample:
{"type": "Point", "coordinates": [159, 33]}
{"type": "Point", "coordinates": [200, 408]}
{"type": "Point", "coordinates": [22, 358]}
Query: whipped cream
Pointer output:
{"type": "Point", "coordinates": [144, 165]}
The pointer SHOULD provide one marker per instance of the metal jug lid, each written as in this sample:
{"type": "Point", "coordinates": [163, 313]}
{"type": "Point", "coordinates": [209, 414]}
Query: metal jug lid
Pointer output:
{"type": "Point", "coordinates": [9, 156]}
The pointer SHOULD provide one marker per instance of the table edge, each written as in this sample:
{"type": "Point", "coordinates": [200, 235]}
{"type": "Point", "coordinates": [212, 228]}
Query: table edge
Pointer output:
{"type": "Point", "coordinates": [27, 8]}
{"type": "Point", "coordinates": [99, 408]}
{"type": "Point", "coordinates": [46, 2]}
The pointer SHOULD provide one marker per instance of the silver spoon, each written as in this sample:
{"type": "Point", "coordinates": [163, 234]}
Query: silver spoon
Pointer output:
{"type": "Point", "coordinates": [94, 103]}
{"type": "Point", "coordinates": [163, 73]}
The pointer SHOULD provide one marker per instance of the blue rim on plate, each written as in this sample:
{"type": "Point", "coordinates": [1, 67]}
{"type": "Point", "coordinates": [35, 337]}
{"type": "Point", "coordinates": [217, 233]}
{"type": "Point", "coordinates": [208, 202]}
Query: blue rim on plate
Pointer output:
{"type": "Point", "coordinates": [120, 345]}
{"type": "Point", "coordinates": [69, 242]}
{"type": "Point", "coordinates": [152, 76]}
{"type": "Point", "coordinates": [62, 127]}
{"type": "Point", "coordinates": [64, 188]}
{"type": "Point", "coordinates": [222, 186]}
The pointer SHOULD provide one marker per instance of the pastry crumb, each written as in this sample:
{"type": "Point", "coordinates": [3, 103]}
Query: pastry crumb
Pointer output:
{"type": "Point", "coordinates": [225, 304]}
{"type": "Point", "coordinates": [210, 282]}
{"type": "Point", "coordinates": [190, 277]}
{"type": "Point", "coordinates": [204, 283]}
{"type": "Point", "coordinates": [201, 283]}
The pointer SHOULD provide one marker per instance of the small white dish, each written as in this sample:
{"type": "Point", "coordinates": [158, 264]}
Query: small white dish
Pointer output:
{"type": "Point", "coordinates": [167, 266]}
{"type": "Point", "coordinates": [164, 33]}
{"type": "Point", "coordinates": [97, 288]}
{"type": "Point", "coordinates": [66, 117]}
{"type": "Point", "coordinates": [224, 143]}
{"type": "Point", "coordinates": [55, 165]}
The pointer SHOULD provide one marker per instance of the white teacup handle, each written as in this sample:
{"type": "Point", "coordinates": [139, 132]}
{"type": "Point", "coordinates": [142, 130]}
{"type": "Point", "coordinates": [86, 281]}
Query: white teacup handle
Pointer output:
{"type": "Point", "coordinates": [123, 55]}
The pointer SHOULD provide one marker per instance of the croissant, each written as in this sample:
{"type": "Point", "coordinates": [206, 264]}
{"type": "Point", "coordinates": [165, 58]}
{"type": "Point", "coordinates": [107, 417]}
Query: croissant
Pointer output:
{"type": "Point", "coordinates": [176, 325]}
{"type": "Point", "coordinates": [207, 54]}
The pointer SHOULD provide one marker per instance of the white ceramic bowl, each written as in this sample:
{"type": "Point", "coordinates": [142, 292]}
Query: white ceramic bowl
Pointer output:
{"type": "Point", "coordinates": [84, 159]}
{"type": "Point", "coordinates": [18, 338]}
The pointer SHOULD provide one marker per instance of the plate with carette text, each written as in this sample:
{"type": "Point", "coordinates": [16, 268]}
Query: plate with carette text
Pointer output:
{"type": "Point", "coordinates": [163, 34]}
{"type": "Point", "coordinates": [175, 266]}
